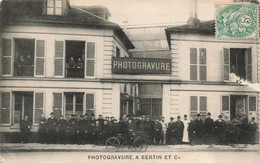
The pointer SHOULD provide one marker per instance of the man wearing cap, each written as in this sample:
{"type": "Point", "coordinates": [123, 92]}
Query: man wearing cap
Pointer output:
{"type": "Point", "coordinates": [199, 127]}
{"type": "Point", "coordinates": [209, 128]}
{"type": "Point", "coordinates": [100, 119]}
{"type": "Point", "coordinates": [179, 130]}
{"type": "Point", "coordinates": [81, 130]}
{"type": "Point", "coordinates": [86, 128]}
{"type": "Point", "coordinates": [158, 131]}
{"type": "Point", "coordinates": [252, 131]}
{"type": "Point", "coordinates": [62, 130]}
{"type": "Point", "coordinates": [192, 131]}
{"type": "Point", "coordinates": [73, 129]}
{"type": "Point", "coordinates": [92, 128]}
{"type": "Point", "coordinates": [52, 124]}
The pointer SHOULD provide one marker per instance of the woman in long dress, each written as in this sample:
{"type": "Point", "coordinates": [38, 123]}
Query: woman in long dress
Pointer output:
{"type": "Point", "coordinates": [185, 130]}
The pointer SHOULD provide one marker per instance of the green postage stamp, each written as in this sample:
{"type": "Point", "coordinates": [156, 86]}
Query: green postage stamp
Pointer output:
{"type": "Point", "coordinates": [237, 21]}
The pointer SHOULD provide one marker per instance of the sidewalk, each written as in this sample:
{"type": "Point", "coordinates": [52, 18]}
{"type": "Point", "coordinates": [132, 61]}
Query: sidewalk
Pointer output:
{"type": "Point", "coordinates": [36, 147]}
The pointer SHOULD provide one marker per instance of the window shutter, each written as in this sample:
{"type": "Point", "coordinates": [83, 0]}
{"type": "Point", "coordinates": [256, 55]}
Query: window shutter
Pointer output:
{"type": "Point", "coordinates": [225, 103]}
{"type": "Point", "coordinates": [252, 103]}
{"type": "Point", "coordinates": [226, 57]}
{"type": "Point", "coordinates": [194, 103]}
{"type": "Point", "coordinates": [57, 104]}
{"type": "Point", "coordinates": [193, 64]}
{"type": "Point", "coordinates": [40, 50]}
{"type": "Point", "coordinates": [5, 107]}
{"type": "Point", "coordinates": [38, 106]}
{"type": "Point", "coordinates": [7, 57]}
{"type": "Point", "coordinates": [203, 64]}
{"type": "Point", "coordinates": [249, 64]}
{"type": "Point", "coordinates": [90, 59]}
{"type": "Point", "coordinates": [90, 103]}
{"type": "Point", "coordinates": [203, 103]}
{"type": "Point", "coordinates": [59, 58]}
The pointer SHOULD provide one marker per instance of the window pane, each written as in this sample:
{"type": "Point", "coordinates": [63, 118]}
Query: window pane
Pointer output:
{"type": "Point", "coordinates": [57, 100]}
{"type": "Point", "coordinates": [39, 66]}
{"type": "Point", "coordinates": [50, 11]}
{"type": "Point", "coordinates": [193, 103]}
{"type": "Point", "coordinates": [252, 103]}
{"type": "Point", "coordinates": [59, 49]}
{"type": "Point", "coordinates": [7, 44]}
{"type": "Point", "coordinates": [50, 3]}
{"type": "Point", "coordinates": [193, 56]}
{"type": "Point", "coordinates": [6, 65]}
{"type": "Point", "coordinates": [38, 100]}
{"type": "Point", "coordinates": [57, 3]}
{"type": "Point", "coordinates": [89, 101]}
{"type": "Point", "coordinates": [193, 72]}
{"type": "Point", "coordinates": [90, 50]}
{"type": "Point", "coordinates": [203, 73]}
{"type": "Point", "coordinates": [58, 67]}
{"type": "Point", "coordinates": [225, 103]}
{"type": "Point", "coordinates": [203, 59]}
{"type": "Point", "coordinates": [90, 67]}
{"type": "Point", "coordinates": [57, 11]}
{"type": "Point", "coordinates": [203, 103]}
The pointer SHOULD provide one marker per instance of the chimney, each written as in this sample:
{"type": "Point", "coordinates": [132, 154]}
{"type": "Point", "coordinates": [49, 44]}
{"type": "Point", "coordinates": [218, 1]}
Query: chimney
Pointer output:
{"type": "Point", "coordinates": [193, 21]}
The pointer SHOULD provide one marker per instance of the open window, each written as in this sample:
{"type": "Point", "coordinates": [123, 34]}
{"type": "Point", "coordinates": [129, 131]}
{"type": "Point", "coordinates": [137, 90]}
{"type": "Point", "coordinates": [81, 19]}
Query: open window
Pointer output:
{"type": "Point", "coordinates": [75, 56]}
{"type": "Point", "coordinates": [238, 61]}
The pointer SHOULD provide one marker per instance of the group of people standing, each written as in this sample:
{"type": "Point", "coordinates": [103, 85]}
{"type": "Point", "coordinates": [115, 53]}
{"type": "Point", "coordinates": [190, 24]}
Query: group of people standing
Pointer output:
{"type": "Point", "coordinates": [95, 131]}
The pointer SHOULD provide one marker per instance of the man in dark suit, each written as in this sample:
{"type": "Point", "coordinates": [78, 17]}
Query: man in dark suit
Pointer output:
{"type": "Point", "coordinates": [25, 126]}
{"type": "Point", "coordinates": [157, 131]}
{"type": "Point", "coordinates": [43, 129]}
{"type": "Point", "coordinates": [252, 127]}
{"type": "Point", "coordinates": [52, 125]}
{"type": "Point", "coordinates": [192, 131]}
{"type": "Point", "coordinates": [81, 130]}
{"type": "Point", "coordinates": [170, 132]}
{"type": "Point", "coordinates": [179, 130]}
{"type": "Point", "coordinates": [92, 128]}
{"type": "Point", "coordinates": [73, 129]}
{"type": "Point", "coordinates": [209, 128]}
{"type": "Point", "coordinates": [62, 130]}
{"type": "Point", "coordinates": [199, 127]}
{"type": "Point", "coordinates": [219, 130]}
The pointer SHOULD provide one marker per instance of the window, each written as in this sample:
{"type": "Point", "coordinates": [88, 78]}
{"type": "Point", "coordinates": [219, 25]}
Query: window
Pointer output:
{"type": "Point", "coordinates": [54, 7]}
{"type": "Point", "coordinates": [73, 104]}
{"type": "Point", "coordinates": [252, 103]}
{"type": "Point", "coordinates": [75, 56]}
{"type": "Point", "coordinates": [198, 104]}
{"type": "Point", "coordinates": [117, 52]}
{"type": "Point", "coordinates": [225, 103]}
{"type": "Point", "coordinates": [24, 57]}
{"type": "Point", "coordinates": [5, 107]}
{"type": "Point", "coordinates": [7, 57]}
{"type": "Point", "coordinates": [198, 64]}
{"type": "Point", "coordinates": [238, 61]}
{"type": "Point", "coordinates": [23, 105]}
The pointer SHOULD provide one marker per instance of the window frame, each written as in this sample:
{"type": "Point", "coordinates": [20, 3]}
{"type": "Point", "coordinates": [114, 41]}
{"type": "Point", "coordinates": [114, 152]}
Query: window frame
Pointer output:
{"type": "Point", "coordinates": [85, 102]}
{"type": "Point", "coordinates": [198, 105]}
{"type": "Point", "coordinates": [63, 58]}
{"type": "Point", "coordinates": [249, 104]}
{"type": "Point", "coordinates": [198, 64]}
{"type": "Point", "coordinates": [54, 7]}
{"type": "Point", "coordinates": [74, 102]}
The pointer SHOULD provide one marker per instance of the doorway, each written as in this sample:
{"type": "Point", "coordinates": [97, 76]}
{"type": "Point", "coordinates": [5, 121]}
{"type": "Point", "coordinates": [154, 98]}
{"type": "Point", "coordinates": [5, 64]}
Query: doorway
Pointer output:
{"type": "Point", "coordinates": [238, 106]}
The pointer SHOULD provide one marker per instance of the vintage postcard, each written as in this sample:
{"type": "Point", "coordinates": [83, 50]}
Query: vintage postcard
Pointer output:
{"type": "Point", "coordinates": [129, 81]}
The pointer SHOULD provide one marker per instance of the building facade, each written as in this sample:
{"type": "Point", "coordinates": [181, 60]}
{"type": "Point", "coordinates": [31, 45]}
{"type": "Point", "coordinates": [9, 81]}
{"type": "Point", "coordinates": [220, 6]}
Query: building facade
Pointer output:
{"type": "Point", "coordinates": [72, 60]}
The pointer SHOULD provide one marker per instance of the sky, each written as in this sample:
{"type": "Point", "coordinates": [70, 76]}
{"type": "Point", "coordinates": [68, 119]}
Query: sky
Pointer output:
{"type": "Point", "coordinates": [137, 12]}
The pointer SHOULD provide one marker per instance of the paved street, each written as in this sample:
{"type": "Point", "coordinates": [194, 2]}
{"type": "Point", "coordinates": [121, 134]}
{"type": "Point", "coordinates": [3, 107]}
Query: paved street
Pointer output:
{"type": "Point", "coordinates": [19, 153]}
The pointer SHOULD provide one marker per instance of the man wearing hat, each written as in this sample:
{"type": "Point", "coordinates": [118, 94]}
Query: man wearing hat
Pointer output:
{"type": "Point", "coordinates": [73, 129]}
{"type": "Point", "coordinates": [81, 130]}
{"type": "Point", "coordinates": [101, 120]}
{"type": "Point", "coordinates": [199, 127]}
{"type": "Point", "coordinates": [62, 130]}
{"type": "Point", "coordinates": [179, 130]}
{"type": "Point", "coordinates": [170, 132]}
{"type": "Point", "coordinates": [209, 128]}
{"type": "Point", "coordinates": [92, 128]}
{"type": "Point", "coordinates": [51, 128]}
{"type": "Point", "coordinates": [219, 130]}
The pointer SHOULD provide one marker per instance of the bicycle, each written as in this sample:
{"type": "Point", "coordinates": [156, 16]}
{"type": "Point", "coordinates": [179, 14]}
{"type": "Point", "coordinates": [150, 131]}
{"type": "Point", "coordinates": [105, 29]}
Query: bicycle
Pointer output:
{"type": "Point", "coordinates": [136, 143]}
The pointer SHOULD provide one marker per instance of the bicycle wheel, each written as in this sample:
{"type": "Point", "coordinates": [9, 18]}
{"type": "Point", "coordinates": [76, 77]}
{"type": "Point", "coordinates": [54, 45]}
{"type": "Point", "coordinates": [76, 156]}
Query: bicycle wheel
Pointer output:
{"type": "Point", "coordinates": [139, 144]}
{"type": "Point", "coordinates": [112, 144]}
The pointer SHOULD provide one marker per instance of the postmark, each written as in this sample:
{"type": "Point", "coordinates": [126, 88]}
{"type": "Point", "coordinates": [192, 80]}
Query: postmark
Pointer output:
{"type": "Point", "coordinates": [237, 21]}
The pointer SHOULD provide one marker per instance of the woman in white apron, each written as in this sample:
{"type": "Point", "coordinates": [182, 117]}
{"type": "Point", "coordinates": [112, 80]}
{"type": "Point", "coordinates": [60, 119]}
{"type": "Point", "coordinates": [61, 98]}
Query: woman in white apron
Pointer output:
{"type": "Point", "coordinates": [185, 139]}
